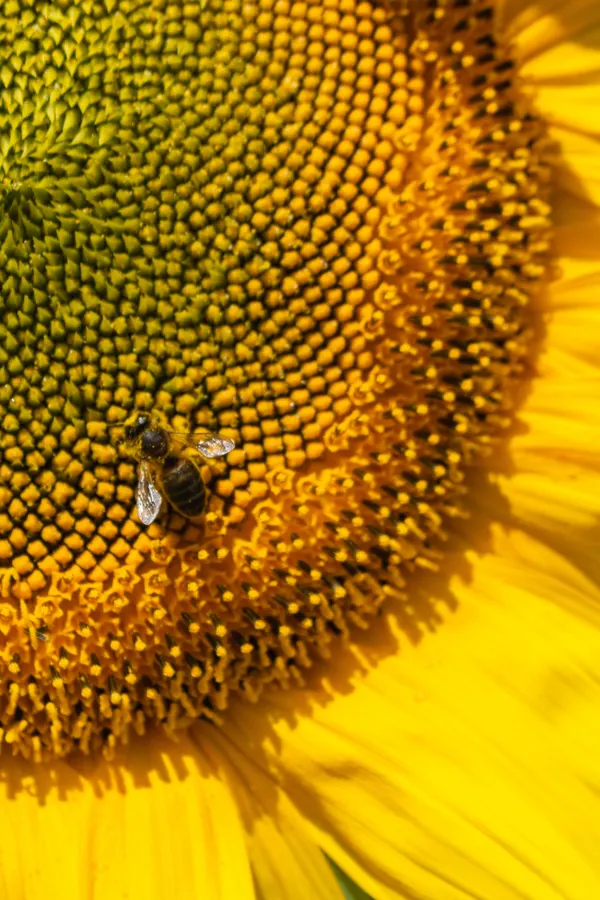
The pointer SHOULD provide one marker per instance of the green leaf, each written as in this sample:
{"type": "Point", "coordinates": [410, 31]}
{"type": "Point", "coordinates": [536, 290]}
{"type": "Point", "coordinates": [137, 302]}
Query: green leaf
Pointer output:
{"type": "Point", "coordinates": [351, 891]}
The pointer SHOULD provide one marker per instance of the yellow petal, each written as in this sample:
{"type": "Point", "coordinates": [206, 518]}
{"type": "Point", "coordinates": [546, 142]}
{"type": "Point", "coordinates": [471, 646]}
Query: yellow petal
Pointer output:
{"type": "Point", "coordinates": [565, 59]}
{"type": "Point", "coordinates": [44, 843]}
{"type": "Point", "coordinates": [467, 763]}
{"type": "Point", "coordinates": [550, 475]}
{"type": "Point", "coordinates": [579, 327]}
{"type": "Point", "coordinates": [576, 242]}
{"type": "Point", "coordinates": [562, 416]}
{"type": "Point", "coordinates": [158, 822]}
{"type": "Point", "coordinates": [577, 291]}
{"type": "Point", "coordinates": [164, 824]}
{"type": "Point", "coordinates": [580, 169]}
{"type": "Point", "coordinates": [553, 32]}
{"type": "Point", "coordinates": [244, 731]}
{"type": "Point", "coordinates": [557, 46]}
{"type": "Point", "coordinates": [574, 107]}
{"type": "Point", "coordinates": [560, 501]}
{"type": "Point", "coordinates": [559, 421]}
{"type": "Point", "coordinates": [287, 864]}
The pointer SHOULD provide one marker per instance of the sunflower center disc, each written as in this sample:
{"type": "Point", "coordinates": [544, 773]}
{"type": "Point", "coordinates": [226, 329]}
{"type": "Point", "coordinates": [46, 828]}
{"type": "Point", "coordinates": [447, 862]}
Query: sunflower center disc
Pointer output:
{"type": "Point", "coordinates": [312, 227]}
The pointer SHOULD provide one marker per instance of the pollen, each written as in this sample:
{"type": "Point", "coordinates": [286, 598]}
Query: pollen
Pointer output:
{"type": "Point", "coordinates": [314, 228]}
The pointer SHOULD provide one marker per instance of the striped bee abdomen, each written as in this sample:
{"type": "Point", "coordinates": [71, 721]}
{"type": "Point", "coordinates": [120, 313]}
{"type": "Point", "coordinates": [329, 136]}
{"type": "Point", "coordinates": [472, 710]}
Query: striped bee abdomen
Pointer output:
{"type": "Point", "coordinates": [183, 486]}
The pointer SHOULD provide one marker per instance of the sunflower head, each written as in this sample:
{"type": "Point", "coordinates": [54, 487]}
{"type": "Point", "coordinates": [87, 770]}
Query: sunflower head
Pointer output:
{"type": "Point", "coordinates": [312, 229]}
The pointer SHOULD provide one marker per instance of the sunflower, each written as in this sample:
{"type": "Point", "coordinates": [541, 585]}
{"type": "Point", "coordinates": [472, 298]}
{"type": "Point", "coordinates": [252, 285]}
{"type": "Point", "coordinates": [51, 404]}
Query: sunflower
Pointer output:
{"type": "Point", "coordinates": [360, 241]}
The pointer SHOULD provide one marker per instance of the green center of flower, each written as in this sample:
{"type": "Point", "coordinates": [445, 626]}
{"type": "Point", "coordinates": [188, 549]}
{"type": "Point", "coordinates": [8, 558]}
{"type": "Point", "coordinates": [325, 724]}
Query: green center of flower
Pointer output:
{"type": "Point", "coordinates": [311, 227]}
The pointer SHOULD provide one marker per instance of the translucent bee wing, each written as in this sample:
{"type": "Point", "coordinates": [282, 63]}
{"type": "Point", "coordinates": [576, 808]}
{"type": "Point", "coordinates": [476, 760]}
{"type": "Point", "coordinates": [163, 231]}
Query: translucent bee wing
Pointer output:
{"type": "Point", "coordinates": [207, 443]}
{"type": "Point", "coordinates": [148, 498]}
{"type": "Point", "coordinates": [211, 445]}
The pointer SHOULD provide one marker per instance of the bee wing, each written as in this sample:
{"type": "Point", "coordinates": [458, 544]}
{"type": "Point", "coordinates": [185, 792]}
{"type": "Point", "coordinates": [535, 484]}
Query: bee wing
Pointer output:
{"type": "Point", "coordinates": [211, 445]}
{"type": "Point", "coordinates": [207, 443]}
{"type": "Point", "coordinates": [148, 497]}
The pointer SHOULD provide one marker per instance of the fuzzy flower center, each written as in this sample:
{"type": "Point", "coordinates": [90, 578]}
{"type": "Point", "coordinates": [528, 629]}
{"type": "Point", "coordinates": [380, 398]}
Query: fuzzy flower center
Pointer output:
{"type": "Point", "coordinates": [313, 227]}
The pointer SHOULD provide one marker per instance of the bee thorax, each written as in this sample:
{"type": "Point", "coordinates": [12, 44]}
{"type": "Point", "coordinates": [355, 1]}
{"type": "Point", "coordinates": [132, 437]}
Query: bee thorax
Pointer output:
{"type": "Point", "coordinates": [154, 443]}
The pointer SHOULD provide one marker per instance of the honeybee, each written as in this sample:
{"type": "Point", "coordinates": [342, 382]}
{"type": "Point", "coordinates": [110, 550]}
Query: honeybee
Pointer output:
{"type": "Point", "coordinates": [162, 473]}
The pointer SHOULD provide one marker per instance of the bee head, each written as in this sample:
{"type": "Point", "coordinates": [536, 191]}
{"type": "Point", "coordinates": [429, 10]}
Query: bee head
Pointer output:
{"type": "Point", "coordinates": [133, 431]}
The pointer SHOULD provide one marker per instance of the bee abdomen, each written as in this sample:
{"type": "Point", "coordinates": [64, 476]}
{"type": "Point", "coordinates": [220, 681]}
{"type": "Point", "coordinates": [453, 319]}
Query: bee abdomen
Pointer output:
{"type": "Point", "coordinates": [183, 486]}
